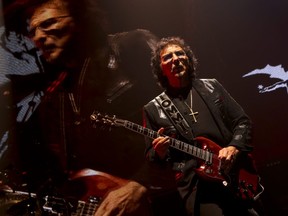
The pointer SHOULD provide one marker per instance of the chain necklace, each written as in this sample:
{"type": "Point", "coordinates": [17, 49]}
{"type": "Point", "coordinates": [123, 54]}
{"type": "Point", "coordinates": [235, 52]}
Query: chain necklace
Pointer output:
{"type": "Point", "coordinates": [192, 113]}
{"type": "Point", "coordinates": [76, 104]}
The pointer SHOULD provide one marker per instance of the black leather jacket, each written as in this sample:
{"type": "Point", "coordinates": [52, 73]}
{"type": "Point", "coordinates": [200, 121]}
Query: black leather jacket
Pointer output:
{"type": "Point", "coordinates": [232, 121]}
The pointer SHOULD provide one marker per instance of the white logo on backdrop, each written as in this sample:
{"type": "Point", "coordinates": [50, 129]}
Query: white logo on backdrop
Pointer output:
{"type": "Point", "coordinates": [275, 72]}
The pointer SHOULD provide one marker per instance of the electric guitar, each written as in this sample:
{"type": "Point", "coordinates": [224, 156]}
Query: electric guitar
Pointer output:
{"type": "Point", "coordinates": [243, 179]}
{"type": "Point", "coordinates": [83, 193]}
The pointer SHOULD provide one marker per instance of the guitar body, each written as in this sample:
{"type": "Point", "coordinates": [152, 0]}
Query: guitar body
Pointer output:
{"type": "Point", "coordinates": [209, 171]}
{"type": "Point", "coordinates": [87, 182]}
{"type": "Point", "coordinates": [242, 179]}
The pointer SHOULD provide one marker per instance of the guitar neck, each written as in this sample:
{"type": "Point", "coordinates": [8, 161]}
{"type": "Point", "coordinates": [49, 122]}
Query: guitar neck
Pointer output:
{"type": "Point", "coordinates": [55, 205]}
{"type": "Point", "coordinates": [174, 143]}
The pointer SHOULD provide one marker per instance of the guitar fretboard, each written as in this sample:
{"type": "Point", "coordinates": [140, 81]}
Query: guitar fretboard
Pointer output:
{"type": "Point", "coordinates": [174, 143]}
{"type": "Point", "coordinates": [85, 209]}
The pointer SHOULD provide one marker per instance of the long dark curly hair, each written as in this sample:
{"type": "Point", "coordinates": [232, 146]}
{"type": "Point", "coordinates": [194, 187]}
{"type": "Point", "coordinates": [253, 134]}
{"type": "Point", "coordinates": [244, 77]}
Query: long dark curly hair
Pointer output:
{"type": "Point", "coordinates": [156, 60]}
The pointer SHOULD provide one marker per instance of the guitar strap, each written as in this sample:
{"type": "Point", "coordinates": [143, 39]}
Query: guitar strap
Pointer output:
{"type": "Point", "coordinates": [175, 116]}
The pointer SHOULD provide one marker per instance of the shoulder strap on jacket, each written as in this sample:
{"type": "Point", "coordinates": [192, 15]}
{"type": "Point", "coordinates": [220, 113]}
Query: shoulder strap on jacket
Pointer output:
{"type": "Point", "coordinates": [175, 116]}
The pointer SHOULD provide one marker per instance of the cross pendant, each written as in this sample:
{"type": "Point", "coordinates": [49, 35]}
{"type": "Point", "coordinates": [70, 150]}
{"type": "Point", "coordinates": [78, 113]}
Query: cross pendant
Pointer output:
{"type": "Point", "coordinates": [193, 114]}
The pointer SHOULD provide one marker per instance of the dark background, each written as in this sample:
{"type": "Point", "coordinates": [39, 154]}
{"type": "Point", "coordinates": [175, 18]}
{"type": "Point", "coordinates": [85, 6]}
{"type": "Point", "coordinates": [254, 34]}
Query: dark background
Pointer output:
{"type": "Point", "coordinates": [230, 39]}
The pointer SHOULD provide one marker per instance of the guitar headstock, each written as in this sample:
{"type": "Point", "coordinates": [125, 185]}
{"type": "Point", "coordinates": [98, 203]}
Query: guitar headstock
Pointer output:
{"type": "Point", "coordinates": [98, 118]}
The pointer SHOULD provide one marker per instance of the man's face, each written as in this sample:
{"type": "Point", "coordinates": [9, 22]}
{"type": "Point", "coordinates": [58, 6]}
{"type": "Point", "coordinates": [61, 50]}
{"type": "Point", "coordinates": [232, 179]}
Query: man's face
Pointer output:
{"type": "Point", "coordinates": [174, 65]}
{"type": "Point", "coordinates": [52, 28]}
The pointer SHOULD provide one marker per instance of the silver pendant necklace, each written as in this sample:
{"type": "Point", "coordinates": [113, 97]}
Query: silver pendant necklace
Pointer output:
{"type": "Point", "coordinates": [76, 105]}
{"type": "Point", "coordinates": [192, 113]}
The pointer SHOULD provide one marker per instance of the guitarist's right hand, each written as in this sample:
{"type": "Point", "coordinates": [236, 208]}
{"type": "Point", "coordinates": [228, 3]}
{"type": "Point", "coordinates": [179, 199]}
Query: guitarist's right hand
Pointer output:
{"type": "Point", "coordinates": [227, 156]}
{"type": "Point", "coordinates": [161, 144]}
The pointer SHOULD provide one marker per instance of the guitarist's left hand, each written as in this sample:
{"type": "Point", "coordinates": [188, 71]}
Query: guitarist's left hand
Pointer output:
{"type": "Point", "coordinates": [227, 156]}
